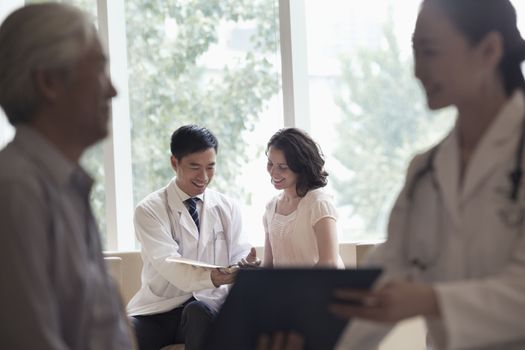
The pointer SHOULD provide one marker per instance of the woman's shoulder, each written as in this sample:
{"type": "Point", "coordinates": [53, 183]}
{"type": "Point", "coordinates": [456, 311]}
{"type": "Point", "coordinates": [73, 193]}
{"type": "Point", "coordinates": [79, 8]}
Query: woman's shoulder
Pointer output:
{"type": "Point", "coordinates": [318, 195]}
{"type": "Point", "coordinates": [317, 204]}
{"type": "Point", "coordinates": [320, 192]}
{"type": "Point", "coordinates": [271, 203]}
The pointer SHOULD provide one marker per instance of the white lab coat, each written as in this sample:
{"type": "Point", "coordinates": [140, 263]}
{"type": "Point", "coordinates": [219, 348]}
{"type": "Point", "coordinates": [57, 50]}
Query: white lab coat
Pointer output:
{"type": "Point", "coordinates": [165, 229]}
{"type": "Point", "coordinates": [476, 260]}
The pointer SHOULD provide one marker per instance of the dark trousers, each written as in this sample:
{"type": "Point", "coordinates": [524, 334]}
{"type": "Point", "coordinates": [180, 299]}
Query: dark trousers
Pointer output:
{"type": "Point", "coordinates": [187, 324]}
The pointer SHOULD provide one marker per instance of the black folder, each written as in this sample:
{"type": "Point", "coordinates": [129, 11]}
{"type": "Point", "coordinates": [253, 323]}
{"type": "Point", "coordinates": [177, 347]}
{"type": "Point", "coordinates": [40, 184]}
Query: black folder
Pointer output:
{"type": "Point", "coordinates": [263, 301]}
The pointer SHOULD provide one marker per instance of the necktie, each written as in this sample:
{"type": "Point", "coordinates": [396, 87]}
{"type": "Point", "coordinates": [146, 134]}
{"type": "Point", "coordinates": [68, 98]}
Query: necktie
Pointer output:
{"type": "Point", "coordinates": [192, 209]}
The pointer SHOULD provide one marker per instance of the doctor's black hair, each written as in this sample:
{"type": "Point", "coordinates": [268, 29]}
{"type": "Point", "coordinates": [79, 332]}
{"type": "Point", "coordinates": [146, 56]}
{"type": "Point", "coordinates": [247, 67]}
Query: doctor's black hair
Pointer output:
{"type": "Point", "coordinates": [192, 139]}
{"type": "Point", "coordinates": [476, 18]}
{"type": "Point", "coordinates": [303, 156]}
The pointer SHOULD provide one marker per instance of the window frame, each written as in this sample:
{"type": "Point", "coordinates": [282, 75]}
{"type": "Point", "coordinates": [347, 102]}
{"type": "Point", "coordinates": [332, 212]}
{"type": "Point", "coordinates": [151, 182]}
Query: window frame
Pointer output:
{"type": "Point", "coordinates": [118, 174]}
{"type": "Point", "coordinates": [117, 146]}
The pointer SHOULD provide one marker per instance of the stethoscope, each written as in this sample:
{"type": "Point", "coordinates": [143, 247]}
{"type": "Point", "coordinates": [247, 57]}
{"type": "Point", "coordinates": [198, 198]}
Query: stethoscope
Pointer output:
{"type": "Point", "coordinates": [512, 215]}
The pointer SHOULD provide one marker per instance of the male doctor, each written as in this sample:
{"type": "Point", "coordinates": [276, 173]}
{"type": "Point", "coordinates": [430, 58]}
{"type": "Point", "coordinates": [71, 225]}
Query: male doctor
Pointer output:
{"type": "Point", "coordinates": [177, 302]}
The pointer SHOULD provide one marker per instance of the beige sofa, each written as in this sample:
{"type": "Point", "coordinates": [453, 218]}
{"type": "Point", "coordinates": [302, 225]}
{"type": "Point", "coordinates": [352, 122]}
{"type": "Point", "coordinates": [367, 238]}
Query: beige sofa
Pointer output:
{"type": "Point", "coordinates": [126, 266]}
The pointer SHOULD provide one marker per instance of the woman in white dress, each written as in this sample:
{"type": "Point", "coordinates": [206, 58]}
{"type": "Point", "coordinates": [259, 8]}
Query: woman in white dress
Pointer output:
{"type": "Point", "coordinates": [300, 222]}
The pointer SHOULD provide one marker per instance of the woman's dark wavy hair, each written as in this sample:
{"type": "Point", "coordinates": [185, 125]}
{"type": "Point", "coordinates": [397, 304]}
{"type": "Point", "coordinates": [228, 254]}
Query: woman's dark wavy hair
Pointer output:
{"type": "Point", "coordinates": [476, 18]}
{"type": "Point", "coordinates": [303, 156]}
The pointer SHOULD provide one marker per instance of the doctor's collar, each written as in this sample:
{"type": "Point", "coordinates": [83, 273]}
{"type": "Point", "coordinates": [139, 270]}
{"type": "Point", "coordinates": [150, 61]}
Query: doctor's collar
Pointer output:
{"type": "Point", "coordinates": [183, 195]}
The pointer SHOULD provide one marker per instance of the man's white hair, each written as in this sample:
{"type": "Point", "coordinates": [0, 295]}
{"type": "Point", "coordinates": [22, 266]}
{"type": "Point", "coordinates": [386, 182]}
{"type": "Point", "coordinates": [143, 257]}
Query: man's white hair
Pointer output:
{"type": "Point", "coordinates": [46, 36]}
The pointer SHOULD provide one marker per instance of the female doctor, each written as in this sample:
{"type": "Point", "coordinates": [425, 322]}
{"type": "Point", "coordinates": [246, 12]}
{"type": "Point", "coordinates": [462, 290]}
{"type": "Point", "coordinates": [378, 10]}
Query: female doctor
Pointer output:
{"type": "Point", "coordinates": [455, 252]}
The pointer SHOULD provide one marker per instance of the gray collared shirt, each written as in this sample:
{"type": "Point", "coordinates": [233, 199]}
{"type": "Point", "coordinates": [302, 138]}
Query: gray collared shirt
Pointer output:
{"type": "Point", "coordinates": [55, 291]}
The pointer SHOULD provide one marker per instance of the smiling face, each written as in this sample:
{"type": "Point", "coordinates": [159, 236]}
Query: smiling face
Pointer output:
{"type": "Point", "coordinates": [451, 70]}
{"type": "Point", "coordinates": [194, 171]}
{"type": "Point", "coordinates": [282, 177]}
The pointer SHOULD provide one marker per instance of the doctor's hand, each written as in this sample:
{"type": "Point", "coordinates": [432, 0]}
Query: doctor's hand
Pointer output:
{"type": "Point", "coordinates": [281, 341]}
{"type": "Point", "coordinates": [251, 260]}
{"type": "Point", "coordinates": [220, 277]}
{"type": "Point", "coordinates": [395, 301]}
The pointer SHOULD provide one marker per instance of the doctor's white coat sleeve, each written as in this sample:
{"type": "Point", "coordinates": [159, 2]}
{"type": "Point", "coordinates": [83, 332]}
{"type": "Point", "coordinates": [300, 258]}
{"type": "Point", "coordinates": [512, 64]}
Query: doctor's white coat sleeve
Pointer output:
{"type": "Point", "coordinates": [153, 231]}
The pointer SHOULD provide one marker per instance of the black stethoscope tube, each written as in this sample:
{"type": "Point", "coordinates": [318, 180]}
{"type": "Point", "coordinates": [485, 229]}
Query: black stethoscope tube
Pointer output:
{"type": "Point", "coordinates": [517, 173]}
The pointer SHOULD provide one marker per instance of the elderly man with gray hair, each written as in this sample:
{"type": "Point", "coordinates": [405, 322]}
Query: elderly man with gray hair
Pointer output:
{"type": "Point", "coordinates": [54, 89]}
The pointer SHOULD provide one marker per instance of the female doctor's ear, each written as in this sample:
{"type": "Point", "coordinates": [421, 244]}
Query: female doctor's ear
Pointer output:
{"type": "Point", "coordinates": [491, 49]}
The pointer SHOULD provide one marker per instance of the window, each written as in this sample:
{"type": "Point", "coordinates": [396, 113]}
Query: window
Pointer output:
{"type": "Point", "coordinates": [211, 63]}
{"type": "Point", "coordinates": [367, 110]}
{"type": "Point", "coordinates": [6, 131]}
{"type": "Point", "coordinates": [346, 78]}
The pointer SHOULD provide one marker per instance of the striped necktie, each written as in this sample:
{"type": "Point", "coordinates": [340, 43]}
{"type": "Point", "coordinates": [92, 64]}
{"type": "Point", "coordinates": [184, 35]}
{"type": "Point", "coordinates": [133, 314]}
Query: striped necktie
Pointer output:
{"type": "Point", "coordinates": [191, 203]}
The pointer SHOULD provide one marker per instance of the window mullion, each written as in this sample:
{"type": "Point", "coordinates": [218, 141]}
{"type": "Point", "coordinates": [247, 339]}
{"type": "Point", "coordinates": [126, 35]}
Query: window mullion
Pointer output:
{"type": "Point", "coordinates": [117, 147]}
{"type": "Point", "coordinates": [292, 24]}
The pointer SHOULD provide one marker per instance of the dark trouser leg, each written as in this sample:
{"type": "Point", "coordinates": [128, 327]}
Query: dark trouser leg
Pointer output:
{"type": "Point", "coordinates": [196, 320]}
{"type": "Point", "coordinates": [156, 331]}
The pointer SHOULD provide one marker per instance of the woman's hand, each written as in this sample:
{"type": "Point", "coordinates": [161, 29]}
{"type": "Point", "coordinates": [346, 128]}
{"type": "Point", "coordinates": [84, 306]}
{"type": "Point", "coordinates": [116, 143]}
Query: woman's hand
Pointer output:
{"type": "Point", "coordinates": [395, 301]}
{"type": "Point", "coordinates": [251, 260]}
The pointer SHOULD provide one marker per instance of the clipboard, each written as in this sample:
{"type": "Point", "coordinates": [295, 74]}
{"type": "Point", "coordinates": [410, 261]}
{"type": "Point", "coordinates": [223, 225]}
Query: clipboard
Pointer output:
{"type": "Point", "coordinates": [263, 301]}
{"type": "Point", "coordinates": [202, 265]}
